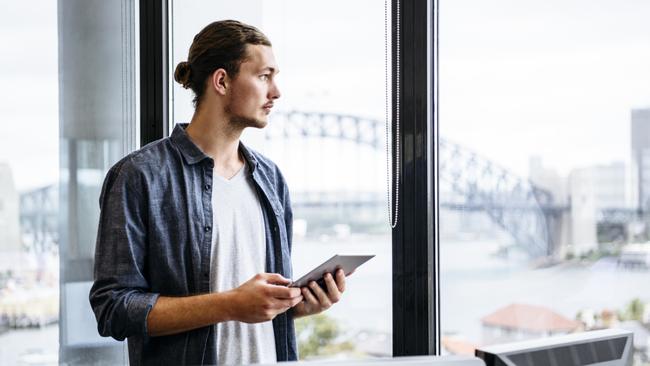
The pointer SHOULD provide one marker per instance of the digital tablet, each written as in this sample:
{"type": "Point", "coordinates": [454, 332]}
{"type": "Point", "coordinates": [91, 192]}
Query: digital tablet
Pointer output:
{"type": "Point", "coordinates": [347, 263]}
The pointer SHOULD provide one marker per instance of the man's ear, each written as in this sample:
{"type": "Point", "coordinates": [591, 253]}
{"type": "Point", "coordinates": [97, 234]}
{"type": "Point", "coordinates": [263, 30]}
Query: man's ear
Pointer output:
{"type": "Point", "coordinates": [219, 81]}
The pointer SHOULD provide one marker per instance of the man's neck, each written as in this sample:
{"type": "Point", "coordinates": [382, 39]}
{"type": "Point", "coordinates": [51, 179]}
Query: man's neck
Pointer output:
{"type": "Point", "coordinates": [216, 137]}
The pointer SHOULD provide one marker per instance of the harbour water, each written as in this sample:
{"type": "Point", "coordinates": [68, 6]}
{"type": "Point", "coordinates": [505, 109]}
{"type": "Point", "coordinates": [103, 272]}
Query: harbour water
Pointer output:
{"type": "Point", "coordinates": [474, 283]}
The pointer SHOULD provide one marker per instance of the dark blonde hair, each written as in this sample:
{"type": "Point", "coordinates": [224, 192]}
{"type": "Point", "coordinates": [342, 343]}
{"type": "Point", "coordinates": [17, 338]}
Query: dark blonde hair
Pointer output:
{"type": "Point", "coordinates": [220, 45]}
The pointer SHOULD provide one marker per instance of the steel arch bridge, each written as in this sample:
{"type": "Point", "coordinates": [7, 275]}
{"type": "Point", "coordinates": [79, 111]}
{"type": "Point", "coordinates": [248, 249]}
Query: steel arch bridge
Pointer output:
{"type": "Point", "coordinates": [362, 131]}
{"type": "Point", "coordinates": [39, 211]}
{"type": "Point", "coordinates": [469, 181]}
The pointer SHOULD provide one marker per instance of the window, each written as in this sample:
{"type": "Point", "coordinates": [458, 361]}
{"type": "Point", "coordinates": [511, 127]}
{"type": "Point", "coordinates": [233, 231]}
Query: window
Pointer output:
{"type": "Point", "coordinates": [29, 268]}
{"type": "Point", "coordinates": [544, 120]}
{"type": "Point", "coordinates": [326, 133]}
{"type": "Point", "coordinates": [332, 113]}
{"type": "Point", "coordinates": [66, 124]}
{"type": "Point", "coordinates": [98, 123]}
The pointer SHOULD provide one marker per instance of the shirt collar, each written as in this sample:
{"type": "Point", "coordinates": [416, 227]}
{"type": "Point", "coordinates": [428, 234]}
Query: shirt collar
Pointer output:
{"type": "Point", "coordinates": [188, 149]}
{"type": "Point", "coordinates": [193, 154]}
{"type": "Point", "coordinates": [249, 156]}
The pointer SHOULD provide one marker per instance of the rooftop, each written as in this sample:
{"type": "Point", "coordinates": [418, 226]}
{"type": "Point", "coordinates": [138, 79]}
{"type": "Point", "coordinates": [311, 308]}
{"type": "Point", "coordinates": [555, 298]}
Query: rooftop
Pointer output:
{"type": "Point", "coordinates": [530, 318]}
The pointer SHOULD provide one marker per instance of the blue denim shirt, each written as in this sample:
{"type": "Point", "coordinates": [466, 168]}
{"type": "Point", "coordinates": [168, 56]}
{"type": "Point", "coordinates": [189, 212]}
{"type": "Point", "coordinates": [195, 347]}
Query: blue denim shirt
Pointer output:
{"type": "Point", "coordinates": [154, 238]}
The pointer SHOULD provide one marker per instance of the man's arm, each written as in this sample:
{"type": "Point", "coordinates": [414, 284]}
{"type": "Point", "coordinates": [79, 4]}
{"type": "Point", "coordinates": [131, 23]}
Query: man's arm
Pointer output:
{"type": "Point", "coordinates": [172, 315]}
{"type": "Point", "coordinates": [120, 295]}
{"type": "Point", "coordinates": [259, 299]}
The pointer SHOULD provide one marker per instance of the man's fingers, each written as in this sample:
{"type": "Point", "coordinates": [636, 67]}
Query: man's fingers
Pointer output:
{"type": "Point", "coordinates": [275, 278]}
{"type": "Point", "coordinates": [283, 292]}
{"type": "Point", "coordinates": [340, 280]}
{"type": "Point", "coordinates": [296, 301]}
{"type": "Point", "coordinates": [320, 295]}
{"type": "Point", "coordinates": [332, 290]}
{"type": "Point", "coordinates": [309, 296]}
{"type": "Point", "coordinates": [288, 303]}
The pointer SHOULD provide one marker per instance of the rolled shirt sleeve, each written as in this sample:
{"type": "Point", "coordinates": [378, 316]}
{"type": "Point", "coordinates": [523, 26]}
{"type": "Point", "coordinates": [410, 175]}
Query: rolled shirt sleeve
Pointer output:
{"type": "Point", "coordinates": [120, 296]}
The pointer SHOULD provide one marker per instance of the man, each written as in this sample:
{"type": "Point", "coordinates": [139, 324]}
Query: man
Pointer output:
{"type": "Point", "coordinates": [193, 252]}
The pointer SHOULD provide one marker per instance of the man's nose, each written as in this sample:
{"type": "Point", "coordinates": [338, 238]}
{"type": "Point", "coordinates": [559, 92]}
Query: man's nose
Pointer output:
{"type": "Point", "coordinates": [274, 93]}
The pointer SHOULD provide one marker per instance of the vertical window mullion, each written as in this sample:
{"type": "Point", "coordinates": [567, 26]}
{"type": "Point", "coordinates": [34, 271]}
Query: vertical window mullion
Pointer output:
{"type": "Point", "coordinates": [414, 292]}
{"type": "Point", "coordinates": [154, 70]}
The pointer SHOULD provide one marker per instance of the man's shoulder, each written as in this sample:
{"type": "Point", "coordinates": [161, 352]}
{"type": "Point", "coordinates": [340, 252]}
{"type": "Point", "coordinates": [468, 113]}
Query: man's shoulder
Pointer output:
{"type": "Point", "coordinates": [147, 160]}
{"type": "Point", "coordinates": [271, 176]}
{"type": "Point", "coordinates": [263, 161]}
{"type": "Point", "coordinates": [266, 165]}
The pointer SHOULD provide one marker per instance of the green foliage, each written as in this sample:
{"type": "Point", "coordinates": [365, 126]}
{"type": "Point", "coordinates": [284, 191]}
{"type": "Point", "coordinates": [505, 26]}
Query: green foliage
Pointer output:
{"type": "Point", "coordinates": [633, 310]}
{"type": "Point", "coordinates": [594, 255]}
{"type": "Point", "coordinates": [317, 336]}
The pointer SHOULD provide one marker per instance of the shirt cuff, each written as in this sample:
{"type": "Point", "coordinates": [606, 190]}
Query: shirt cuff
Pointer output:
{"type": "Point", "coordinates": [139, 307]}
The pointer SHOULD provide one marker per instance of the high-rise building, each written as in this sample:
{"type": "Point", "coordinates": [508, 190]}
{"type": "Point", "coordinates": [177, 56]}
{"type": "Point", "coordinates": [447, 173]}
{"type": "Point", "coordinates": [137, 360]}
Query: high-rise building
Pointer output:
{"type": "Point", "coordinates": [640, 172]}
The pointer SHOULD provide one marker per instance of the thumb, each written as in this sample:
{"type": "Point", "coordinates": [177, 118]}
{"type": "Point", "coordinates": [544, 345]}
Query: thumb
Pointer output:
{"type": "Point", "coordinates": [276, 279]}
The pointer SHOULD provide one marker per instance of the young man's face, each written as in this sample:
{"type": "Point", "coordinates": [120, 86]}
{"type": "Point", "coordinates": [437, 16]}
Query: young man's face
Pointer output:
{"type": "Point", "coordinates": [253, 90]}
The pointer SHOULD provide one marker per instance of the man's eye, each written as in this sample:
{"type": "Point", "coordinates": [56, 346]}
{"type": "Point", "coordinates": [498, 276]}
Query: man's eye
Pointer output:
{"type": "Point", "coordinates": [264, 77]}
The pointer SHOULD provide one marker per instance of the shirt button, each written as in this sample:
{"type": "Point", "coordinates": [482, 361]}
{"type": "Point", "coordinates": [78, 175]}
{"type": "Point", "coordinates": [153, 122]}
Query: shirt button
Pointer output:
{"type": "Point", "coordinates": [207, 187]}
{"type": "Point", "coordinates": [207, 229]}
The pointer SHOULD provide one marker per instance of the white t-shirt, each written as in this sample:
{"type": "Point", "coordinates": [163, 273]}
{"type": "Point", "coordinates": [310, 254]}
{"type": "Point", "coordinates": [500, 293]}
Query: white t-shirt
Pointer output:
{"type": "Point", "coordinates": [239, 253]}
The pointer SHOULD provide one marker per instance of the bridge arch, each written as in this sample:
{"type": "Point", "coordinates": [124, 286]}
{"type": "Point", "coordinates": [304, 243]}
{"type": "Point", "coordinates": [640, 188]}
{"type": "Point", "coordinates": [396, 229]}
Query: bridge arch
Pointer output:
{"type": "Point", "coordinates": [478, 184]}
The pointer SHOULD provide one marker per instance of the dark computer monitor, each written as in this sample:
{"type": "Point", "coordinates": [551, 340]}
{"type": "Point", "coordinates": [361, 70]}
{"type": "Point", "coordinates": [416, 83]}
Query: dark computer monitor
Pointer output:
{"type": "Point", "coordinates": [396, 361]}
{"type": "Point", "coordinates": [608, 347]}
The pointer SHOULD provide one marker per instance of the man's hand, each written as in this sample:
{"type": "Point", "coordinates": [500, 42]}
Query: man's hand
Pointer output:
{"type": "Point", "coordinates": [262, 298]}
{"type": "Point", "coordinates": [316, 299]}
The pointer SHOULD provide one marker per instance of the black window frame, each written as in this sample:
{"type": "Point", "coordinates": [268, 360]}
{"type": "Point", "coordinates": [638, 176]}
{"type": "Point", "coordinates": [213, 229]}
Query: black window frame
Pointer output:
{"type": "Point", "coordinates": [154, 70]}
{"type": "Point", "coordinates": [416, 321]}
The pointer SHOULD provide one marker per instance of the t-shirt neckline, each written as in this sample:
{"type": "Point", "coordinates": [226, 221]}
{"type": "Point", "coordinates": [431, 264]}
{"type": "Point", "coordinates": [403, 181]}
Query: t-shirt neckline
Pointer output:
{"type": "Point", "coordinates": [235, 177]}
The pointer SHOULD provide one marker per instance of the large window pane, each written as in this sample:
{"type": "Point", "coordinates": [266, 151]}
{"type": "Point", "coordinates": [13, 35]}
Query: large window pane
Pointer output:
{"type": "Point", "coordinates": [544, 125]}
{"type": "Point", "coordinates": [29, 268]}
{"type": "Point", "coordinates": [326, 133]}
{"type": "Point", "coordinates": [97, 128]}
{"type": "Point", "coordinates": [68, 105]}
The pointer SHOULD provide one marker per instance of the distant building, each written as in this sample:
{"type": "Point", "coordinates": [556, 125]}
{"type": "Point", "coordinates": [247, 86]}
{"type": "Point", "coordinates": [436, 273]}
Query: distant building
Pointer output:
{"type": "Point", "coordinates": [9, 212]}
{"type": "Point", "coordinates": [605, 184]}
{"type": "Point", "coordinates": [635, 255]}
{"type": "Point", "coordinates": [548, 179]}
{"type": "Point", "coordinates": [592, 189]}
{"type": "Point", "coordinates": [517, 322]}
{"type": "Point", "coordinates": [640, 167]}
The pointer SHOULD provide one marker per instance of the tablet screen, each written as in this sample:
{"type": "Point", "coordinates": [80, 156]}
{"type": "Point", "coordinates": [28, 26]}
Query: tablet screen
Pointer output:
{"type": "Point", "coordinates": [346, 262]}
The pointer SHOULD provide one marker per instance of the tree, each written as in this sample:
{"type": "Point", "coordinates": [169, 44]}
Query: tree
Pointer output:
{"type": "Point", "coordinates": [633, 310]}
{"type": "Point", "coordinates": [317, 336]}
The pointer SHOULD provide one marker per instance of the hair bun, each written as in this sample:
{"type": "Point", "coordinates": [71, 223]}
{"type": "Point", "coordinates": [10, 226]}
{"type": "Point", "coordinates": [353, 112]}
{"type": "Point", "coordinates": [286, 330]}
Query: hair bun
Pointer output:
{"type": "Point", "coordinates": [182, 74]}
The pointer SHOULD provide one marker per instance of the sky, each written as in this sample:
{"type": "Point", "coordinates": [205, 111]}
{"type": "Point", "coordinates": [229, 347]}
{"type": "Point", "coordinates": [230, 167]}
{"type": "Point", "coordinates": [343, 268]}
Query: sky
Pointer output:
{"type": "Point", "coordinates": [550, 78]}
{"type": "Point", "coordinates": [29, 141]}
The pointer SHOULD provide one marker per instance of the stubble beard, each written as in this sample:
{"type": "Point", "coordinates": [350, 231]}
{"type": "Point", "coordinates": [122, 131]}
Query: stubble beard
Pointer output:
{"type": "Point", "coordinates": [241, 122]}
